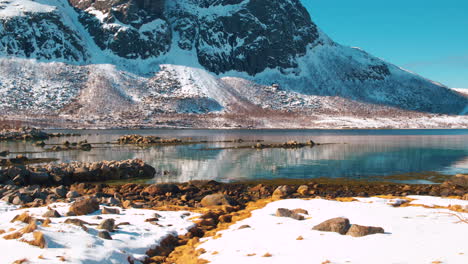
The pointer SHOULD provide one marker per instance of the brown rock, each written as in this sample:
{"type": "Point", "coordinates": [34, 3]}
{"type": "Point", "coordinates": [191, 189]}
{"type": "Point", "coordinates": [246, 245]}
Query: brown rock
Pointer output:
{"type": "Point", "coordinates": [217, 200]}
{"type": "Point", "coordinates": [465, 197]}
{"type": "Point", "coordinates": [360, 231]}
{"type": "Point", "coordinates": [77, 222]}
{"type": "Point", "coordinates": [340, 225]}
{"type": "Point", "coordinates": [84, 206]}
{"type": "Point", "coordinates": [282, 192]}
{"type": "Point", "coordinates": [225, 219]}
{"type": "Point", "coordinates": [108, 225]}
{"type": "Point", "coordinates": [51, 214]}
{"type": "Point", "coordinates": [161, 189]}
{"type": "Point", "coordinates": [303, 190]}
{"type": "Point", "coordinates": [127, 204]}
{"type": "Point", "coordinates": [283, 212]}
{"type": "Point", "coordinates": [106, 210]}
{"type": "Point", "coordinates": [300, 211]}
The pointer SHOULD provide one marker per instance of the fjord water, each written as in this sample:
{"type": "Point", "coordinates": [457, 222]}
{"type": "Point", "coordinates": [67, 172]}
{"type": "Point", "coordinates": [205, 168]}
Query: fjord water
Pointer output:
{"type": "Point", "coordinates": [357, 154]}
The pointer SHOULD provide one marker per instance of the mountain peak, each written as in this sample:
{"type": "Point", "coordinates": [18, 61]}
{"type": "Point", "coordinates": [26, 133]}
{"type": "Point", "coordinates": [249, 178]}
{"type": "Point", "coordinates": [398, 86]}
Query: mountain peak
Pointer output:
{"type": "Point", "coordinates": [195, 56]}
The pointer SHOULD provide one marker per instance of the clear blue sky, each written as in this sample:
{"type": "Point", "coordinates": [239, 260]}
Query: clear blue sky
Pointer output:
{"type": "Point", "coordinates": [429, 37]}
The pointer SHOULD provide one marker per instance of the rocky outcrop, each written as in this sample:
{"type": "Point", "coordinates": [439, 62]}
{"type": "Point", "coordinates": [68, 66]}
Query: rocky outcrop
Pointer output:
{"type": "Point", "coordinates": [246, 36]}
{"type": "Point", "coordinates": [147, 58]}
{"type": "Point", "coordinates": [145, 140]}
{"type": "Point", "coordinates": [67, 173]}
{"type": "Point", "coordinates": [130, 29]}
{"type": "Point", "coordinates": [40, 35]}
{"type": "Point", "coordinates": [24, 133]}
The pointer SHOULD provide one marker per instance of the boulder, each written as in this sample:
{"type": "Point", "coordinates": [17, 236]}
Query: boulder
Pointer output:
{"type": "Point", "coordinates": [60, 191]}
{"type": "Point", "coordinates": [51, 214]}
{"type": "Point", "coordinates": [161, 189]}
{"type": "Point", "coordinates": [108, 225]}
{"type": "Point", "coordinates": [360, 231]}
{"type": "Point", "coordinates": [77, 222]}
{"type": "Point", "coordinates": [72, 194]}
{"type": "Point", "coordinates": [106, 210]}
{"type": "Point", "coordinates": [303, 190]}
{"type": "Point", "coordinates": [283, 191]}
{"type": "Point", "coordinates": [21, 199]}
{"type": "Point", "coordinates": [217, 200]}
{"type": "Point", "coordinates": [84, 206]}
{"type": "Point", "coordinates": [339, 225]}
{"type": "Point", "coordinates": [283, 212]}
{"type": "Point", "coordinates": [300, 211]}
{"type": "Point", "coordinates": [38, 178]}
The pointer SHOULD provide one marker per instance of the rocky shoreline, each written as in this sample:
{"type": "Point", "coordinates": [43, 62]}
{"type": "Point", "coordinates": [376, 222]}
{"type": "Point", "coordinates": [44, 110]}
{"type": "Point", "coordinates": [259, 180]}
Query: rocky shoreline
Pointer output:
{"type": "Point", "coordinates": [28, 133]}
{"type": "Point", "coordinates": [68, 173]}
{"type": "Point", "coordinates": [86, 188]}
{"type": "Point", "coordinates": [218, 203]}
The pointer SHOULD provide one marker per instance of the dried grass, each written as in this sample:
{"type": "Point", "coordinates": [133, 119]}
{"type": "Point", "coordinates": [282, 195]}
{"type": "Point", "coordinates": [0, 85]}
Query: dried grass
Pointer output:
{"type": "Point", "coordinates": [14, 235]}
{"type": "Point", "coordinates": [46, 222]}
{"type": "Point", "coordinates": [24, 217]}
{"type": "Point", "coordinates": [461, 218]}
{"type": "Point", "coordinates": [39, 240]}
{"type": "Point", "coordinates": [29, 228]}
{"type": "Point", "coordinates": [20, 261]}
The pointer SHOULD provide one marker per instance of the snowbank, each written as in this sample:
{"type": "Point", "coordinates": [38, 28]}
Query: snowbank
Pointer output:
{"type": "Point", "coordinates": [76, 245]}
{"type": "Point", "coordinates": [413, 234]}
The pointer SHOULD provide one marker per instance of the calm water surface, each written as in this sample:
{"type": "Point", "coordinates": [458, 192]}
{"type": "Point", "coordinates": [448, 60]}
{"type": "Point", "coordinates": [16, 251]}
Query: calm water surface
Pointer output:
{"type": "Point", "coordinates": [363, 154]}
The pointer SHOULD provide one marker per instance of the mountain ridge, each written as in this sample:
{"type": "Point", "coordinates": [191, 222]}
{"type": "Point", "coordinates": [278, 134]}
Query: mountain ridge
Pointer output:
{"type": "Point", "coordinates": [189, 57]}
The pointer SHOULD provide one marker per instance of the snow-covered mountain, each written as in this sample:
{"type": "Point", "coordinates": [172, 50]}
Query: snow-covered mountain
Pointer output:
{"type": "Point", "coordinates": [117, 60]}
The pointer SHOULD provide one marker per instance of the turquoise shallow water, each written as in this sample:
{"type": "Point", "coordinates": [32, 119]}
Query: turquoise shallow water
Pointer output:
{"type": "Point", "coordinates": [359, 154]}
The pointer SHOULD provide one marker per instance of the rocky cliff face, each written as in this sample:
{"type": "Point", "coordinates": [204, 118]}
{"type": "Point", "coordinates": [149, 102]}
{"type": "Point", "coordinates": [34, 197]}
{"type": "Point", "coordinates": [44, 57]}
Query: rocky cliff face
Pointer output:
{"type": "Point", "coordinates": [239, 35]}
{"type": "Point", "coordinates": [40, 35]}
{"type": "Point", "coordinates": [193, 56]}
{"type": "Point", "coordinates": [131, 28]}
{"type": "Point", "coordinates": [246, 36]}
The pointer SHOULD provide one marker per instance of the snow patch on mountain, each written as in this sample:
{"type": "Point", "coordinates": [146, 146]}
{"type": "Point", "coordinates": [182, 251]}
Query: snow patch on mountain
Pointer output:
{"type": "Point", "coordinates": [14, 8]}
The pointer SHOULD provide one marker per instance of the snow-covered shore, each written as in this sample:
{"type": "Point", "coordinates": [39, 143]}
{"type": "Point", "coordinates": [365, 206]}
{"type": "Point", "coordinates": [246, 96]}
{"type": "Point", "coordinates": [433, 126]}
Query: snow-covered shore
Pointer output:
{"type": "Point", "coordinates": [74, 244]}
{"type": "Point", "coordinates": [413, 234]}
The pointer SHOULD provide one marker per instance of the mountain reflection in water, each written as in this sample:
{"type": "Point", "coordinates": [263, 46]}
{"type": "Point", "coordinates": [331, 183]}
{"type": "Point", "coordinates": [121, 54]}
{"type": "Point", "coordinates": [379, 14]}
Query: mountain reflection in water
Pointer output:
{"type": "Point", "coordinates": [367, 154]}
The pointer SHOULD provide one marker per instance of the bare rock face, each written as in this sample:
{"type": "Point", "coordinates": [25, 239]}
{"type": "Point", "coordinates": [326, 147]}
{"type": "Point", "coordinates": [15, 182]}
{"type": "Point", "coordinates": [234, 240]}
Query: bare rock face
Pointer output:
{"type": "Point", "coordinates": [221, 36]}
{"type": "Point", "coordinates": [248, 36]}
{"type": "Point", "coordinates": [339, 225]}
{"type": "Point", "coordinates": [131, 28]}
{"type": "Point", "coordinates": [360, 231]}
{"type": "Point", "coordinates": [50, 39]}
{"type": "Point", "coordinates": [255, 36]}
{"type": "Point", "coordinates": [84, 206]}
